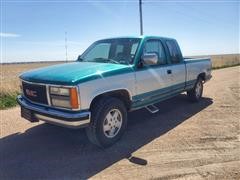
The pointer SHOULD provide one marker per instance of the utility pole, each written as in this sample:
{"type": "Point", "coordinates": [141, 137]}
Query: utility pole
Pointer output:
{"type": "Point", "coordinates": [66, 45]}
{"type": "Point", "coordinates": [140, 13]}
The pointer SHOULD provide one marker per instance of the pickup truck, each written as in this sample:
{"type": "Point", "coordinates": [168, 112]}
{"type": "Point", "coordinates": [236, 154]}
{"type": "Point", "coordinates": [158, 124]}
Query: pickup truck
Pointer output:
{"type": "Point", "coordinates": [112, 77]}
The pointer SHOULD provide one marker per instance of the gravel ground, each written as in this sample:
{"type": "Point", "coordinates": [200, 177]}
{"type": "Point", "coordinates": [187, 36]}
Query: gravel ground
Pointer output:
{"type": "Point", "coordinates": [182, 141]}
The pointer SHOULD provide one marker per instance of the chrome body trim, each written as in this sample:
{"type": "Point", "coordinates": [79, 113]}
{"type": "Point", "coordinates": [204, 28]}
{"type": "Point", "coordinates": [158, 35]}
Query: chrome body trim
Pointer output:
{"type": "Point", "coordinates": [75, 124]}
{"type": "Point", "coordinates": [69, 119]}
{"type": "Point", "coordinates": [47, 84]}
{"type": "Point", "coordinates": [48, 95]}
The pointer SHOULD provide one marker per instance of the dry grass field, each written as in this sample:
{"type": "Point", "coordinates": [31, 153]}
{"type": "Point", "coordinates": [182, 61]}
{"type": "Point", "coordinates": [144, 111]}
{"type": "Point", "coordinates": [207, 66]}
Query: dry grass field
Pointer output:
{"type": "Point", "coordinates": [10, 72]}
{"type": "Point", "coordinates": [227, 60]}
{"type": "Point", "coordinates": [9, 85]}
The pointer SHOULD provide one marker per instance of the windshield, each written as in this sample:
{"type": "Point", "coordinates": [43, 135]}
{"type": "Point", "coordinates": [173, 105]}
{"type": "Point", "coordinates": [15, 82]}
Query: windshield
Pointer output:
{"type": "Point", "coordinates": [120, 51]}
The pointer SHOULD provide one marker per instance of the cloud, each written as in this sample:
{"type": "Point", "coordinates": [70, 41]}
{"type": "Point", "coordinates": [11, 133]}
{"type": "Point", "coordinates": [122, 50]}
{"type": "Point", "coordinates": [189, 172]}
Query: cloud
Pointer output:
{"type": "Point", "coordinates": [9, 35]}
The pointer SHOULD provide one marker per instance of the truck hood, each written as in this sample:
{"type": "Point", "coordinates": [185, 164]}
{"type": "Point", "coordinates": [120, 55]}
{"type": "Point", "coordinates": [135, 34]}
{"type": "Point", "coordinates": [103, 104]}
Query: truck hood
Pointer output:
{"type": "Point", "coordinates": [74, 73]}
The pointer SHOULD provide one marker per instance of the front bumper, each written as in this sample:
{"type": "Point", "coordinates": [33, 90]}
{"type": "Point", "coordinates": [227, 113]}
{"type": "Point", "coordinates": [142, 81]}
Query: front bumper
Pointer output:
{"type": "Point", "coordinates": [207, 78]}
{"type": "Point", "coordinates": [53, 116]}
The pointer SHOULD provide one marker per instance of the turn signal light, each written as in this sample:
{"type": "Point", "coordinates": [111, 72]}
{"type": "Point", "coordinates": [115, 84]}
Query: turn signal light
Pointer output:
{"type": "Point", "coordinates": [74, 98]}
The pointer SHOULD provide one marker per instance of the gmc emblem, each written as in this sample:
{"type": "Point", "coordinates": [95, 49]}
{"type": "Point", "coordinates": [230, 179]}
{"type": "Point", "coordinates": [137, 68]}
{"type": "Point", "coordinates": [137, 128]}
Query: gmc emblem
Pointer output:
{"type": "Point", "coordinates": [31, 93]}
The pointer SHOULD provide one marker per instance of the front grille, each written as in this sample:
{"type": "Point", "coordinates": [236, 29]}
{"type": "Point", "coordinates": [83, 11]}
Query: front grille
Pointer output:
{"type": "Point", "coordinates": [35, 92]}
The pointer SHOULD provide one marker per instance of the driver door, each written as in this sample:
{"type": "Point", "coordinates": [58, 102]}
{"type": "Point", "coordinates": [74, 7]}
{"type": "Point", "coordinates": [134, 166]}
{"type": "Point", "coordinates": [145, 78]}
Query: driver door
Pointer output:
{"type": "Point", "coordinates": [152, 80]}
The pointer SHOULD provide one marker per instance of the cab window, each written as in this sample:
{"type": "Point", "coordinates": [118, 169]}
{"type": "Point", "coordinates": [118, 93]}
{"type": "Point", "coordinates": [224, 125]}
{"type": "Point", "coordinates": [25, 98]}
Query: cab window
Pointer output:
{"type": "Point", "coordinates": [155, 46]}
{"type": "Point", "coordinates": [175, 57]}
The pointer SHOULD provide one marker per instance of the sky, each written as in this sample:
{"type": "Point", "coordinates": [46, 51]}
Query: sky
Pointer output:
{"type": "Point", "coordinates": [35, 30]}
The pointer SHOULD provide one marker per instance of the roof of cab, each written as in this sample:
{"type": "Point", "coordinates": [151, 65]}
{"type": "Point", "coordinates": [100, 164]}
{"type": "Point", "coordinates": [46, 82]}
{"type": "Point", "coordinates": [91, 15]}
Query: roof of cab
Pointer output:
{"type": "Point", "coordinates": [141, 37]}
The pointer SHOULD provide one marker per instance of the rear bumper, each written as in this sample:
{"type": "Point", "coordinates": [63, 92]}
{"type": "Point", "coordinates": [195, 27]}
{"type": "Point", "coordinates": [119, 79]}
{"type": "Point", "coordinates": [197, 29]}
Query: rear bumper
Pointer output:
{"type": "Point", "coordinates": [58, 117]}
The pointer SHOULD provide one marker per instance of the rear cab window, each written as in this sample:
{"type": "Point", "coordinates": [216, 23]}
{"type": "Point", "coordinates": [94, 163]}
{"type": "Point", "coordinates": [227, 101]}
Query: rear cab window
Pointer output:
{"type": "Point", "coordinates": [174, 52]}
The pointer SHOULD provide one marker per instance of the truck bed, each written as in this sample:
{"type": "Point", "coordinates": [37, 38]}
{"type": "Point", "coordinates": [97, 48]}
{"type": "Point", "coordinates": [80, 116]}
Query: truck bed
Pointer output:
{"type": "Point", "coordinates": [195, 66]}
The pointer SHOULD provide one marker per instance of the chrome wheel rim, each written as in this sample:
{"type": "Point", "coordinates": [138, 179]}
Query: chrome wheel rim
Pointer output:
{"type": "Point", "coordinates": [198, 89]}
{"type": "Point", "coordinates": [112, 123]}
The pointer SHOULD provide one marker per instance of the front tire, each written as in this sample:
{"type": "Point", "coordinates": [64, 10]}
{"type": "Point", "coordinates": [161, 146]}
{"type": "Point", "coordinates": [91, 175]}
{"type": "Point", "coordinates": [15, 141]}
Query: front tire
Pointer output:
{"type": "Point", "coordinates": [108, 121]}
{"type": "Point", "coordinates": [195, 94]}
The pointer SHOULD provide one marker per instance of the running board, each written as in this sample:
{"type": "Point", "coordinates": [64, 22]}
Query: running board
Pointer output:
{"type": "Point", "coordinates": [152, 109]}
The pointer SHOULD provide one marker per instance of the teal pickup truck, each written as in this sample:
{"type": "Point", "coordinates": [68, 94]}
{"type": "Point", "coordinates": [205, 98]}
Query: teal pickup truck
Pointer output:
{"type": "Point", "coordinates": [112, 77]}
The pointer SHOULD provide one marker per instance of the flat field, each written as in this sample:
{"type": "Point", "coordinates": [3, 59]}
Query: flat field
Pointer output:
{"type": "Point", "coordinates": [225, 60]}
{"type": "Point", "coordinates": [10, 73]}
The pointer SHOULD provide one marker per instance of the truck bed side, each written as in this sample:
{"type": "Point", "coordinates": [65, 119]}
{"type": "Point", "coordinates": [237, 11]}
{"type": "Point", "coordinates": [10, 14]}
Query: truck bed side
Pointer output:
{"type": "Point", "coordinates": [196, 67]}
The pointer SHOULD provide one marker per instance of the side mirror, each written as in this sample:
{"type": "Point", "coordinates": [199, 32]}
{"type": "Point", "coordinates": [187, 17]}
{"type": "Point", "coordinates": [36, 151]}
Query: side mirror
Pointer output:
{"type": "Point", "coordinates": [79, 58]}
{"type": "Point", "coordinates": [150, 58]}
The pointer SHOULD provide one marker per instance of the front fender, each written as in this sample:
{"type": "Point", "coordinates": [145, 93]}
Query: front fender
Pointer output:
{"type": "Point", "coordinates": [92, 89]}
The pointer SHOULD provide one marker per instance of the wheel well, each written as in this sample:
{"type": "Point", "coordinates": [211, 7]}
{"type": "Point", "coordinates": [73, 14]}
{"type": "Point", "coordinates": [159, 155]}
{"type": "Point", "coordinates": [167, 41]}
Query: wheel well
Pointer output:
{"type": "Point", "coordinates": [123, 95]}
{"type": "Point", "coordinates": [202, 76]}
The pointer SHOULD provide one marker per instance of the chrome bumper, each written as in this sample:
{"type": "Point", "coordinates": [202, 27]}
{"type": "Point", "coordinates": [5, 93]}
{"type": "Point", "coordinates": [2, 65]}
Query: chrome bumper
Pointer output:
{"type": "Point", "coordinates": [53, 116]}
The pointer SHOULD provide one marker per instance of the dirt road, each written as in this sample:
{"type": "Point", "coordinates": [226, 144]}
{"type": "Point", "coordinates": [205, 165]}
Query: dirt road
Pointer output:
{"type": "Point", "coordinates": [183, 140]}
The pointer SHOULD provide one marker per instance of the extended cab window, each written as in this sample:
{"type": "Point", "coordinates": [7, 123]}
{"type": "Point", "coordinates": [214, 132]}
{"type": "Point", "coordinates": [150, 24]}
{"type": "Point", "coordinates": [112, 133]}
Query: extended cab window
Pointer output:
{"type": "Point", "coordinates": [175, 57]}
{"type": "Point", "coordinates": [155, 46]}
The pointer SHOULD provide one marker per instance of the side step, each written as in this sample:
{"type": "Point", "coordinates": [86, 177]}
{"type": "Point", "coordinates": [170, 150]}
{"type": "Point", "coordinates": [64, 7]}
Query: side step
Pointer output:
{"type": "Point", "coordinates": [152, 109]}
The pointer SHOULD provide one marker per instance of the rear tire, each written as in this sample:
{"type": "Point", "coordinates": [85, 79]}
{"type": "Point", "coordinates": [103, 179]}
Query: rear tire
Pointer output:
{"type": "Point", "coordinates": [195, 94]}
{"type": "Point", "coordinates": [108, 122]}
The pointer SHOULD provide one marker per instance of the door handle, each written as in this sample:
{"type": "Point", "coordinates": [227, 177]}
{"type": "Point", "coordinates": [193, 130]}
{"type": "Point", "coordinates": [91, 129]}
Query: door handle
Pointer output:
{"type": "Point", "coordinates": [169, 71]}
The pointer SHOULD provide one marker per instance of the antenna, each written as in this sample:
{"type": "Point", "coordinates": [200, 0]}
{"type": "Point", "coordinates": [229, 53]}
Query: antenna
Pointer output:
{"type": "Point", "coordinates": [140, 13]}
{"type": "Point", "coordinates": [66, 47]}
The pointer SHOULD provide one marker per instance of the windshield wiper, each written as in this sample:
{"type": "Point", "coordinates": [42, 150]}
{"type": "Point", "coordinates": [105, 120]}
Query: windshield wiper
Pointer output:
{"type": "Point", "coordinates": [105, 59]}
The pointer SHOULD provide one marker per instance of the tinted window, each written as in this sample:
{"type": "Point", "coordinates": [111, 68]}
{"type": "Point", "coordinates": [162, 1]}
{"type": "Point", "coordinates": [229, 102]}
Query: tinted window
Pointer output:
{"type": "Point", "coordinates": [162, 56]}
{"type": "Point", "coordinates": [151, 47]}
{"type": "Point", "coordinates": [155, 46]}
{"type": "Point", "coordinates": [119, 49]}
{"type": "Point", "coordinates": [173, 51]}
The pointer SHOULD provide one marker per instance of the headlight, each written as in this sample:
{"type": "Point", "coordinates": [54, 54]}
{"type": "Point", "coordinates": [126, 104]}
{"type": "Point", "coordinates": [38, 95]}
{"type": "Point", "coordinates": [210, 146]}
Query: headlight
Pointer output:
{"type": "Point", "coordinates": [59, 91]}
{"type": "Point", "coordinates": [64, 97]}
{"type": "Point", "coordinates": [60, 101]}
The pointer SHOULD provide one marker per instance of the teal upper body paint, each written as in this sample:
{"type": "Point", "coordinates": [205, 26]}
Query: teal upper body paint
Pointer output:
{"type": "Point", "coordinates": [74, 73]}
